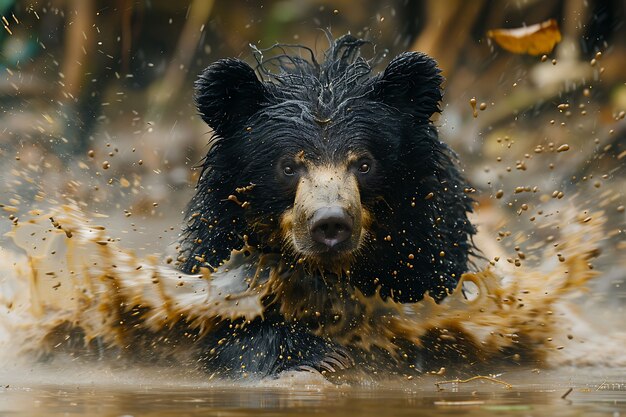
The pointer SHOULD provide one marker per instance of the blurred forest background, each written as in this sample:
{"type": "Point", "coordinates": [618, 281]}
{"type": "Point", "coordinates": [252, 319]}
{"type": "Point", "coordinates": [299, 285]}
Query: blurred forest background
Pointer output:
{"type": "Point", "coordinates": [96, 105]}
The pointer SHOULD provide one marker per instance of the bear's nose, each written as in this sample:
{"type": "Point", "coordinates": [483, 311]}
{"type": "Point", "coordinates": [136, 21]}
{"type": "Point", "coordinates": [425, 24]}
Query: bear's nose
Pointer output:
{"type": "Point", "coordinates": [331, 226]}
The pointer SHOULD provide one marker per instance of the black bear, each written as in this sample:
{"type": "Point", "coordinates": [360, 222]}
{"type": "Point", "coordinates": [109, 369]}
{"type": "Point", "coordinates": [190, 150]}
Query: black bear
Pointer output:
{"type": "Point", "coordinates": [338, 171]}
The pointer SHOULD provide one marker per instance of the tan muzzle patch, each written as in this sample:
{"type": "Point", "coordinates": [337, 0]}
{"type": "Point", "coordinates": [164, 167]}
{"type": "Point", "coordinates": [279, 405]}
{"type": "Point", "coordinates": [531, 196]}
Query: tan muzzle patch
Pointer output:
{"type": "Point", "coordinates": [326, 221]}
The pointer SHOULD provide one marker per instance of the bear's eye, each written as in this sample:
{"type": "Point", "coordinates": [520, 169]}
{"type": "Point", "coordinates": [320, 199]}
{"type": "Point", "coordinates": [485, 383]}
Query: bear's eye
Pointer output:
{"type": "Point", "coordinates": [288, 171]}
{"type": "Point", "coordinates": [364, 168]}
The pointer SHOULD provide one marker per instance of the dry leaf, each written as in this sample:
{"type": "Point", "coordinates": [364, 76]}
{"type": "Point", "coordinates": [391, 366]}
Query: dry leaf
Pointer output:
{"type": "Point", "coordinates": [534, 40]}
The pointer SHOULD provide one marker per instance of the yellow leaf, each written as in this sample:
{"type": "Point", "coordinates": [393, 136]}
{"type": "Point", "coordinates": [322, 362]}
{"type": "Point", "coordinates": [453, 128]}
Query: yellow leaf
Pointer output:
{"type": "Point", "coordinates": [534, 40]}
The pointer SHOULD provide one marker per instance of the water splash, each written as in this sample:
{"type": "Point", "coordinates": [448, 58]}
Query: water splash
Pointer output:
{"type": "Point", "coordinates": [76, 291]}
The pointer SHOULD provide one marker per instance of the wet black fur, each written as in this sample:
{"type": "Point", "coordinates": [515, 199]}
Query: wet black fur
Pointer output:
{"type": "Point", "coordinates": [325, 109]}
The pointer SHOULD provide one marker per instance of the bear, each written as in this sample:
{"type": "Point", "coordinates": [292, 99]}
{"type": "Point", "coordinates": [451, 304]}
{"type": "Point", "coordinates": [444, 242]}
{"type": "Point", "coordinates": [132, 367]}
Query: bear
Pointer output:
{"type": "Point", "coordinates": [339, 172]}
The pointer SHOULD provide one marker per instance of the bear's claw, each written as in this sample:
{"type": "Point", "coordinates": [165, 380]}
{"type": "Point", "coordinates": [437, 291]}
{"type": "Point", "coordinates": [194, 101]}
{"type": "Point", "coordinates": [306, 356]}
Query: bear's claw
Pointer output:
{"type": "Point", "coordinates": [325, 366]}
{"type": "Point", "coordinates": [332, 361]}
{"type": "Point", "coordinates": [335, 360]}
{"type": "Point", "coordinates": [307, 368]}
{"type": "Point", "coordinates": [343, 358]}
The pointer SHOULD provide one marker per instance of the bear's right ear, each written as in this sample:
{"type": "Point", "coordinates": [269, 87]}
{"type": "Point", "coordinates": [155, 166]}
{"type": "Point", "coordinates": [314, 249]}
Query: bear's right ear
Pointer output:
{"type": "Point", "coordinates": [227, 93]}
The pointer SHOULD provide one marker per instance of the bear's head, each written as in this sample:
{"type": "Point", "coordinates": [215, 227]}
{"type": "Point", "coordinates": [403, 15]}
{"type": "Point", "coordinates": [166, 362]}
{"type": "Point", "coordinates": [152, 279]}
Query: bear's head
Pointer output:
{"type": "Point", "coordinates": [338, 169]}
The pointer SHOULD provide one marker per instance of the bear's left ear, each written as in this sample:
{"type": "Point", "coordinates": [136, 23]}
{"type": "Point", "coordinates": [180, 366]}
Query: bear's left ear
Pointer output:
{"type": "Point", "coordinates": [412, 84]}
{"type": "Point", "coordinates": [227, 93]}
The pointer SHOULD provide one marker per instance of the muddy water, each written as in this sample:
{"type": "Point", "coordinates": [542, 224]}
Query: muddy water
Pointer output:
{"type": "Point", "coordinates": [595, 393]}
{"type": "Point", "coordinates": [68, 386]}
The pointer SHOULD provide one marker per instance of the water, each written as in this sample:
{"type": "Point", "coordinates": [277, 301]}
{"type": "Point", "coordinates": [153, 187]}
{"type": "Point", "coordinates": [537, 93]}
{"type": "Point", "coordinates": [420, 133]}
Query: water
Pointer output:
{"type": "Point", "coordinates": [59, 287]}
{"type": "Point", "coordinates": [75, 385]}
{"type": "Point", "coordinates": [595, 393]}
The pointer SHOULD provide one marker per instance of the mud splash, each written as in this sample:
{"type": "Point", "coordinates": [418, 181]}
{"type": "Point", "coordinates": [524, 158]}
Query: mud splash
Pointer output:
{"type": "Point", "coordinates": [76, 291]}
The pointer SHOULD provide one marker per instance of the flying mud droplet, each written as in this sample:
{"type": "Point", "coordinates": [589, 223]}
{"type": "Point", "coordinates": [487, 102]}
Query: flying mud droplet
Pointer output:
{"type": "Point", "coordinates": [473, 104]}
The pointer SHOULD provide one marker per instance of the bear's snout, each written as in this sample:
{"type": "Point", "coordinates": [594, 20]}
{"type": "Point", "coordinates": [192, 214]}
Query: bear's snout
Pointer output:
{"type": "Point", "coordinates": [327, 223]}
{"type": "Point", "coordinates": [331, 226]}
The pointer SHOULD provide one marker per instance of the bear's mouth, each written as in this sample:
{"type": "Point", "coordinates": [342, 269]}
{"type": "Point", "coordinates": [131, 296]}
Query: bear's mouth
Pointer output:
{"type": "Point", "coordinates": [329, 257]}
{"type": "Point", "coordinates": [335, 260]}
